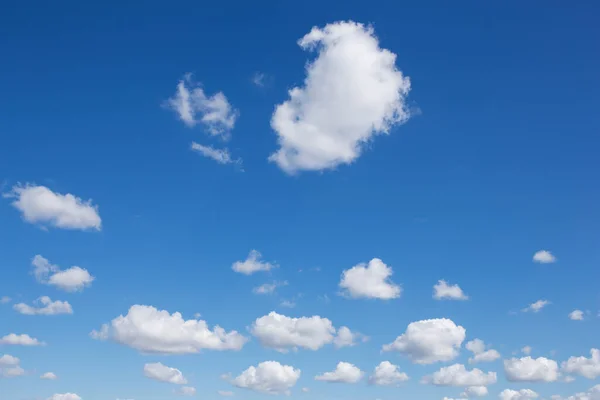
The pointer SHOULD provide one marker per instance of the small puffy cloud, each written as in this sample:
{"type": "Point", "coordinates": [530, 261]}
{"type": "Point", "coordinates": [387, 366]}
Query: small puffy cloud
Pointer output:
{"type": "Point", "coordinates": [49, 376]}
{"type": "Point", "coordinates": [186, 391]}
{"type": "Point", "coordinates": [429, 341]}
{"type": "Point", "coordinates": [268, 288]}
{"type": "Point", "coordinates": [40, 205]}
{"type": "Point", "coordinates": [252, 264]}
{"type": "Point", "coordinates": [8, 360]}
{"type": "Point", "coordinates": [44, 306]}
{"type": "Point", "coordinates": [526, 350]}
{"type": "Point", "coordinates": [445, 291]}
{"type": "Point", "coordinates": [193, 106]}
{"type": "Point", "coordinates": [352, 92]}
{"type": "Point", "coordinates": [370, 280]}
{"type": "Point", "coordinates": [344, 373]}
{"type": "Point", "coordinates": [221, 156]}
{"type": "Point", "coordinates": [150, 330]}
{"type": "Point", "coordinates": [475, 391]}
{"type": "Point", "coordinates": [5, 300]}
{"type": "Point", "coordinates": [346, 338]}
{"type": "Point", "coordinates": [20, 340]}
{"type": "Point", "coordinates": [268, 377]}
{"type": "Point", "coordinates": [544, 257]}
{"type": "Point", "coordinates": [70, 280]}
{"type": "Point", "coordinates": [537, 306]}
{"type": "Point", "coordinates": [529, 369]}
{"type": "Point", "coordinates": [387, 374]}
{"type": "Point", "coordinates": [480, 354]}
{"type": "Point", "coordinates": [225, 393]}
{"type": "Point", "coordinates": [160, 372]}
{"type": "Point", "coordinates": [12, 372]}
{"type": "Point", "coordinates": [586, 367]}
{"type": "Point", "coordinates": [523, 394]}
{"type": "Point", "coordinates": [458, 375]}
{"type": "Point", "coordinates": [576, 315]}
{"type": "Point", "coordinates": [64, 396]}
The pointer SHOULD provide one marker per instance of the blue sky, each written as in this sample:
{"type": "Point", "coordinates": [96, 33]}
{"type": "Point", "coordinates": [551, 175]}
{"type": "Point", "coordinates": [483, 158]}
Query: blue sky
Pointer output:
{"type": "Point", "coordinates": [436, 141]}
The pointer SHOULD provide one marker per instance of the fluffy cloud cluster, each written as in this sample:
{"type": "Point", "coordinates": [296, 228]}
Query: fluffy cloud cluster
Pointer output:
{"type": "Point", "coordinates": [445, 291]}
{"type": "Point", "coordinates": [591, 394]}
{"type": "Point", "coordinates": [9, 366]}
{"type": "Point", "coordinates": [370, 280]}
{"type": "Point", "coordinates": [529, 369]}
{"type": "Point", "coordinates": [523, 394]}
{"type": "Point", "coordinates": [458, 375]}
{"type": "Point", "coordinates": [150, 330]}
{"type": "Point", "coordinates": [252, 264]}
{"type": "Point", "coordinates": [586, 367]}
{"type": "Point", "coordinates": [20, 340]}
{"type": "Point", "coordinates": [160, 372]}
{"type": "Point", "coordinates": [284, 333]}
{"type": "Point", "coordinates": [268, 377]}
{"type": "Point", "coordinates": [344, 373]}
{"type": "Point", "coordinates": [429, 341]}
{"type": "Point", "coordinates": [44, 306]}
{"type": "Point", "coordinates": [387, 374]}
{"type": "Point", "coordinates": [40, 205]}
{"type": "Point", "coordinates": [70, 280]}
{"type": "Point", "coordinates": [480, 354]}
{"type": "Point", "coordinates": [352, 92]}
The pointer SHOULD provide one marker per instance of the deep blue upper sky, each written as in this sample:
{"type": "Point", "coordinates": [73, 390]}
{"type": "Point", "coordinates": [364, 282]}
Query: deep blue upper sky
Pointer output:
{"type": "Point", "coordinates": [501, 161]}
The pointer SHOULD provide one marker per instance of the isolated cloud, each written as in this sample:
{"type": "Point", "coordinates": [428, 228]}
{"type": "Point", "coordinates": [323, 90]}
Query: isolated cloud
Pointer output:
{"type": "Point", "coordinates": [40, 205]}
{"type": "Point", "coordinates": [186, 391]}
{"type": "Point", "coordinates": [529, 369]}
{"type": "Point", "coordinates": [193, 106]}
{"type": "Point", "coordinates": [225, 393]}
{"type": "Point", "coordinates": [268, 288]}
{"type": "Point", "coordinates": [70, 280]}
{"type": "Point", "coordinates": [150, 330]}
{"type": "Point", "coordinates": [221, 156]}
{"type": "Point", "coordinates": [526, 350]}
{"type": "Point", "coordinates": [429, 341]}
{"type": "Point", "coordinates": [268, 377]}
{"type": "Point", "coordinates": [544, 257]}
{"type": "Point", "coordinates": [284, 333]}
{"type": "Point", "coordinates": [586, 367]}
{"type": "Point", "coordinates": [370, 280]}
{"type": "Point", "coordinates": [344, 373]}
{"type": "Point", "coordinates": [8, 360]}
{"type": "Point", "coordinates": [458, 375]}
{"type": "Point", "coordinates": [523, 394]}
{"type": "Point", "coordinates": [352, 92]}
{"type": "Point", "coordinates": [49, 376]}
{"type": "Point", "coordinates": [480, 354]}
{"type": "Point", "coordinates": [5, 299]}
{"type": "Point", "coordinates": [20, 340]}
{"type": "Point", "coordinates": [346, 338]}
{"type": "Point", "coordinates": [65, 396]}
{"type": "Point", "coordinates": [387, 374]}
{"type": "Point", "coordinates": [537, 306]}
{"type": "Point", "coordinates": [576, 315]}
{"type": "Point", "coordinates": [252, 264]}
{"type": "Point", "coordinates": [160, 372]}
{"type": "Point", "coordinates": [44, 306]}
{"type": "Point", "coordinates": [445, 291]}
{"type": "Point", "coordinates": [12, 372]}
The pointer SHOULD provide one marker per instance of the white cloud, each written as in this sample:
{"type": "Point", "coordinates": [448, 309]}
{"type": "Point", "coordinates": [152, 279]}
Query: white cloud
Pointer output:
{"type": "Point", "coordinates": [48, 307]}
{"type": "Point", "coordinates": [150, 330]}
{"type": "Point", "coordinates": [5, 299]}
{"type": "Point", "coordinates": [288, 304]}
{"type": "Point", "coordinates": [49, 376]}
{"type": "Point", "coordinates": [475, 391]}
{"type": "Point", "coordinates": [268, 377]}
{"type": "Point", "coordinates": [20, 340]}
{"type": "Point", "coordinates": [537, 306]}
{"type": "Point", "coordinates": [576, 315]}
{"type": "Point", "coordinates": [193, 106]}
{"type": "Point", "coordinates": [7, 359]}
{"type": "Point", "coordinates": [252, 264]}
{"type": "Point", "coordinates": [591, 394]}
{"type": "Point", "coordinates": [64, 396]}
{"type": "Point", "coordinates": [344, 373]}
{"type": "Point", "coordinates": [160, 372]}
{"type": "Point", "coordinates": [370, 280]}
{"type": "Point", "coordinates": [529, 369]}
{"type": "Point", "coordinates": [352, 93]}
{"type": "Point", "coordinates": [12, 372]}
{"type": "Point", "coordinates": [386, 374]}
{"type": "Point", "coordinates": [40, 205]}
{"type": "Point", "coordinates": [544, 257]}
{"type": "Point", "coordinates": [186, 391]}
{"type": "Point", "coordinates": [222, 156]}
{"type": "Point", "coordinates": [458, 375]}
{"type": "Point", "coordinates": [346, 338]}
{"type": "Point", "coordinates": [268, 288]}
{"type": "Point", "coordinates": [225, 393]}
{"type": "Point", "coordinates": [429, 341]}
{"type": "Point", "coordinates": [443, 290]}
{"type": "Point", "coordinates": [523, 394]}
{"type": "Point", "coordinates": [477, 347]}
{"type": "Point", "coordinates": [70, 280]}
{"type": "Point", "coordinates": [526, 350]}
{"type": "Point", "coordinates": [586, 367]}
